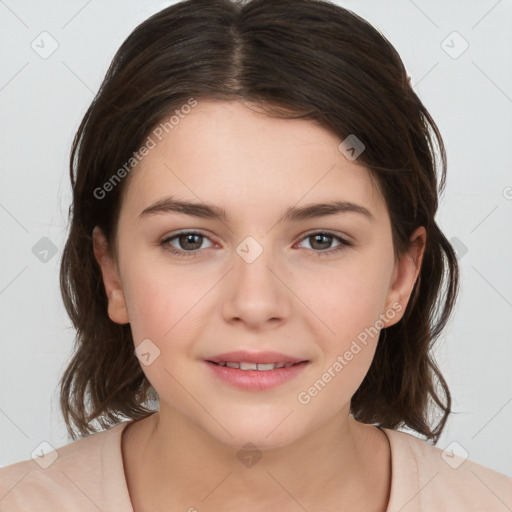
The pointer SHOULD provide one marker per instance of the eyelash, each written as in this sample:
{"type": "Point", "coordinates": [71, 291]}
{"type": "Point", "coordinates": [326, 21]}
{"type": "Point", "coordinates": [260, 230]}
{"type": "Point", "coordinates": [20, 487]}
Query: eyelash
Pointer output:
{"type": "Point", "coordinates": [343, 244]}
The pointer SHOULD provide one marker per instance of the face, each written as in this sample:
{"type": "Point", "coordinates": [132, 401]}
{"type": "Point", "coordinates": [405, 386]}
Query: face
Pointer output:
{"type": "Point", "coordinates": [315, 285]}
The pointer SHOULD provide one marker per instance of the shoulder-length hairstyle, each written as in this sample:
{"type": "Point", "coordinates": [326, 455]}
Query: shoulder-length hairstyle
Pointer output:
{"type": "Point", "coordinates": [295, 59]}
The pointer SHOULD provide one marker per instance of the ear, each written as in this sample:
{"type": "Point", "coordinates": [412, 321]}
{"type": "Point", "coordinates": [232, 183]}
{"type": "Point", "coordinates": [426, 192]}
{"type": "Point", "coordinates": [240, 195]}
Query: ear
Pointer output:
{"type": "Point", "coordinates": [116, 301]}
{"type": "Point", "coordinates": [404, 277]}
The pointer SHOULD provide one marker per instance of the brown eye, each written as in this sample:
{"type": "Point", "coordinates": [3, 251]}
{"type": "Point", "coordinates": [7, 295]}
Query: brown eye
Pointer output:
{"type": "Point", "coordinates": [188, 242]}
{"type": "Point", "coordinates": [321, 242]}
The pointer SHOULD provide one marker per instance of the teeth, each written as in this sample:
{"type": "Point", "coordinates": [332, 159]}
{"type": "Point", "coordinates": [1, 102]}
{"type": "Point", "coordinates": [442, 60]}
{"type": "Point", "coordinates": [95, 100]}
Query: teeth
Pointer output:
{"type": "Point", "coordinates": [267, 366]}
{"type": "Point", "coordinates": [248, 366]}
{"type": "Point", "coordinates": [254, 366]}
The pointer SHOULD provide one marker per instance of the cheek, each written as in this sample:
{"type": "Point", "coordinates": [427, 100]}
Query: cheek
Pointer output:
{"type": "Point", "coordinates": [162, 306]}
{"type": "Point", "coordinates": [351, 298]}
{"type": "Point", "coordinates": [350, 306]}
{"type": "Point", "coordinates": [350, 302]}
{"type": "Point", "coordinates": [161, 300]}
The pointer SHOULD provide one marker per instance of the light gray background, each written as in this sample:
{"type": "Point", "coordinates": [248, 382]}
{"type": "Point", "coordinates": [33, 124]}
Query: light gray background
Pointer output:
{"type": "Point", "coordinates": [43, 100]}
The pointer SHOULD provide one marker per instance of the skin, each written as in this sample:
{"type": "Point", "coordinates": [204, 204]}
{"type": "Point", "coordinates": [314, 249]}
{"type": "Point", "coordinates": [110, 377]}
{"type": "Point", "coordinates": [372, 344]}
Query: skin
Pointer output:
{"type": "Point", "coordinates": [290, 300]}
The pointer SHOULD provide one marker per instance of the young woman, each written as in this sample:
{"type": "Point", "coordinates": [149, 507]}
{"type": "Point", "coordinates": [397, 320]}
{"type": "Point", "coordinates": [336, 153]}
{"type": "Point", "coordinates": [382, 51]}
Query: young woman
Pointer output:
{"type": "Point", "coordinates": [256, 278]}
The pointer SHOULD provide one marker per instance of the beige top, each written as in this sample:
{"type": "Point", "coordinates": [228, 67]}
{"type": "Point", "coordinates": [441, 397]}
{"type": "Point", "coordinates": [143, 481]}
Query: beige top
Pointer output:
{"type": "Point", "coordinates": [88, 475]}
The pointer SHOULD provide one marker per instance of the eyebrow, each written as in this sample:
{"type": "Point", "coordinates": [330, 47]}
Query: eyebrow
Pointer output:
{"type": "Point", "coordinates": [205, 211]}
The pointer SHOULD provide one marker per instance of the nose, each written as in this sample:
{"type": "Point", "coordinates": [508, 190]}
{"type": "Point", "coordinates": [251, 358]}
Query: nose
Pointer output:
{"type": "Point", "coordinates": [257, 294]}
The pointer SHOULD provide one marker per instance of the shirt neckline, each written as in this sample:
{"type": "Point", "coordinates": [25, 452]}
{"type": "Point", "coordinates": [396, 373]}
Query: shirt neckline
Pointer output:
{"type": "Point", "coordinates": [404, 475]}
{"type": "Point", "coordinates": [116, 474]}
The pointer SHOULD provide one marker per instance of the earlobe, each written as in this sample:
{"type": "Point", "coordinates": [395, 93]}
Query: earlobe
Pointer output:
{"type": "Point", "coordinates": [117, 310]}
{"type": "Point", "coordinates": [117, 307]}
{"type": "Point", "coordinates": [405, 274]}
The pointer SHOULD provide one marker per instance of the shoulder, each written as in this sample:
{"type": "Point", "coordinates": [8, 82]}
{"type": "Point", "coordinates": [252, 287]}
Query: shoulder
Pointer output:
{"type": "Point", "coordinates": [428, 479]}
{"type": "Point", "coordinates": [79, 476]}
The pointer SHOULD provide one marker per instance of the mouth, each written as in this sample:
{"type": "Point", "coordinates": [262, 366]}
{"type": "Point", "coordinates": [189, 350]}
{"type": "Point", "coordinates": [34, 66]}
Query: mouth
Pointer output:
{"type": "Point", "coordinates": [261, 367]}
{"type": "Point", "coordinates": [246, 360]}
{"type": "Point", "coordinates": [255, 371]}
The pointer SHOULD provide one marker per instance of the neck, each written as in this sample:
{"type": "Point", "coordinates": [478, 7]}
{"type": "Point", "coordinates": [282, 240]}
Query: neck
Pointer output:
{"type": "Point", "coordinates": [173, 462]}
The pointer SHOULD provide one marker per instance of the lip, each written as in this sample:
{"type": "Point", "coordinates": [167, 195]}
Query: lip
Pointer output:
{"type": "Point", "coordinates": [254, 357]}
{"type": "Point", "coordinates": [255, 380]}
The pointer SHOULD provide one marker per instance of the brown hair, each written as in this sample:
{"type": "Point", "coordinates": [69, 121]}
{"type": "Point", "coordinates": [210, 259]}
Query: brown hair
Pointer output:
{"type": "Point", "coordinates": [296, 59]}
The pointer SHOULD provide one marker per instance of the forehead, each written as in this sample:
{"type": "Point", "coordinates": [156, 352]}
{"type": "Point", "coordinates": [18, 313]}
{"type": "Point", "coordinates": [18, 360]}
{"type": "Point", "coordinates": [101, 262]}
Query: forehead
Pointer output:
{"type": "Point", "coordinates": [225, 153]}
